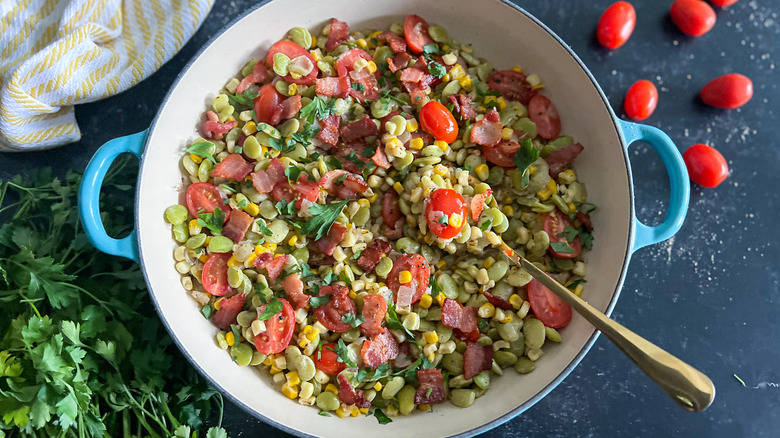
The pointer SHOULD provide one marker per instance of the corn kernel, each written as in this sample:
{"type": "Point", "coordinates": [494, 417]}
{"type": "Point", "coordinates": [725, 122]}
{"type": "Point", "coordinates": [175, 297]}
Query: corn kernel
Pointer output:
{"type": "Point", "coordinates": [428, 238]}
{"type": "Point", "coordinates": [440, 170]}
{"type": "Point", "coordinates": [426, 301]}
{"type": "Point", "coordinates": [378, 386]}
{"type": "Point", "coordinates": [440, 299]}
{"type": "Point", "coordinates": [292, 89]}
{"type": "Point", "coordinates": [405, 277]}
{"type": "Point", "coordinates": [289, 391]}
{"type": "Point", "coordinates": [315, 54]}
{"type": "Point", "coordinates": [252, 209]}
{"type": "Point", "coordinates": [259, 249]}
{"type": "Point", "coordinates": [456, 220]}
{"type": "Point", "coordinates": [431, 337]}
{"type": "Point", "coordinates": [398, 187]}
{"type": "Point", "coordinates": [293, 379]}
{"type": "Point", "coordinates": [233, 261]}
{"type": "Point", "coordinates": [441, 145]}
{"type": "Point", "coordinates": [465, 82]}
{"type": "Point", "coordinates": [501, 103]}
{"type": "Point", "coordinates": [431, 356]}
{"type": "Point", "coordinates": [196, 158]}
{"type": "Point", "coordinates": [424, 407]}
{"type": "Point", "coordinates": [217, 304]}
{"type": "Point", "coordinates": [332, 388]}
{"type": "Point", "coordinates": [270, 246]}
{"type": "Point", "coordinates": [275, 370]}
{"type": "Point", "coordinates": [341, 412]}
{"type": "Point", "coordinates": [293, 240]}
{"type": "Point", "coordinates": [508, 210]}
{"type": "Point", "coordinates": [373, 198]}
{"type": "Point", "coordinates": [362, 43]}
{"type": "Point", "coordinates": [506, 133]}
{"type": "Point", "coordinates": [489, 99]}
{"type": "Point", "coordinates": [486, 310]}
{"type": "Point", "coordinates": [371, 67]}
{"type": "Point", "coordinates": [445, 47]}
{"type": "Point", "coordinates": [412, 125]}
{"type": "Point", "coordinates": [571, 206]}
{"type": "Point", "coordinates": [354, 411]}
{"type": "Point", "coordinates": [516, 301]}
{"type": "Point", "coordinates": [488, 262]}
{"type": "Point", "coordinates": [352, 294]}
{"type": "Point", "coordinates": [250, 260]}
{"type": "Point", "coordinates": [571, 172]}
{"type": "Point", "coordinates": [363, 202]}
{"type": "Point", "coordinates": [269, 360]}
{"type": "Point", "coordinates": [249, 128]}
{"type": "Point", "coordinates": [303, 342]}
{"type": "Point", "coordinates": [482, 171]}
{"type": "Point", "coordinates": [230, 339]}
{"type": "Point", "coordinates": [552, 186]}
{"type": "Point", "coordinates": [417, 143]}
{"type": "Point", "coordinates": [578, 290]}
{"type": "Point", "coordinates": [543, 194]}
{"type": "Point", "coordinates": [203, 258]}
{"type": "Point", "coordinates": [457, 73]}
{"type": "Point", "coordinates": [531, 169]}
{"type": "Point", "coordinates": [313, 41]}
{"type": "Point", "coordinates": [537, 87]}
{"type": "Point", "coordinates": [363, 411]}
{"type": "Point", "coordinates": [194, 227]}
{"type": "Point", "coordinates": [517, 68]}
{"type": "Point", "coordinates": [506, 318]}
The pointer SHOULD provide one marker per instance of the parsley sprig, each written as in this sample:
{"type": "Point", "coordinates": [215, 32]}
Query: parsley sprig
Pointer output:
{"type": "Point", "coordinates": [322, 218]}
{"type": "Point", "coordinates": [212, 221]}
{"type": "Point", "coordinates": [317, 109]}
{"type": "Point", "coordinates": [202, 149]}
{"type": "Point", "coordinates": [524, 157]}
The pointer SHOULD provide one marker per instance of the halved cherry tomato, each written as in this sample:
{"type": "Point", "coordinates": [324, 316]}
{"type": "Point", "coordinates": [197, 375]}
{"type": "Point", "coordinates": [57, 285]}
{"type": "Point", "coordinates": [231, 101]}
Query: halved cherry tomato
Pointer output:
{"type": "Point", "coordinates": [268, 105]}
{"type": "Point", "coordinates": [204, 197]}
{"type": "Point", "coordinates": [278, 330]}
{"type": "Point", "coordinates": [420, 270]}
{"type": "Point", "coordinates": [706, 166]}
{"type": "Point", "coordinates": [692, 17]}
{"type": "Point", "coordinates": [214, 276]}
{"type": "Point", "coordinates": [502, 154]}
{"type": "Point", "coordinates": [293, 51]}
{"type": "Point", "coordinates": [554, 224]}
{"type": "Point", "coordinates": [346, 60]}
{"type": "Point", "coordinates": [641, 100]}
{"type": "Point", "coordinates": [416, 33]}
{"type": "Point", "coordinates": [340, 304]}
{"type": "Point", "coordinates": [728, 91]}
{"type": "Point", "coordinates": [723, 3]}
{"type": "Point", "coordinates": [616, 25]}
{"type": "Point", "coordinates": [543, 112]}
{"type": "Point", "coordinates": [438, 121]}
{"type": "Point", "coordinates": [447, 203]}
{"type": "Point", "coordinates": [548, 307]}
{"type": "Point", "coordinates": [327, 361]}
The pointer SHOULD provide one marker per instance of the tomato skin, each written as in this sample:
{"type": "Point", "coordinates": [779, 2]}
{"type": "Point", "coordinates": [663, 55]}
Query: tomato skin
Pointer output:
{"type": "Point", "coordinates": [326, 360]}
{"type": "Point", "coordinates": [692, 17]}
{"type": "Point", "coordinates": [554, 224]}
{"type": "Point", "coordinates": [728, 91]}
{"type": "Point", "coordinates": [445, 202]}
{"type": "Point", "coordinates": [438, 121]}
{"type": "Point", "coordinates": [278, 330]}
{"type": "Point", "coordinates": [723, 3]}
{"type": "Point", "coordinates": [548, 307]}
{"type": "Point", "coordinates": [416, 33]}
{"type": "Point", "coordinates": [616, 25]}
{"type": "Point", "coordinates": [346, 60]}
{"type": "Point", "coordinates": [706, 166]}
{"type": "Point", "coordinates": [340, 304]}
{"type": "Point", "coordinates": [641, 100]}
{"type": "Point", "coordinates": [266, 104]}
{"type": "Point", "coordinates": [205, 197]}
{"type": "Point", "coordinates": [420, 270]}
{"type": "Point", "coordinates": [293, 51]}
{"type": "Point", "coordinates": [214, 276]}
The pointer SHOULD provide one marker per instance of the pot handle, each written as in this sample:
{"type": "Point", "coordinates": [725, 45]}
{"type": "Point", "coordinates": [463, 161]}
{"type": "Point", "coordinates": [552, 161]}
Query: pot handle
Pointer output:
{"type": "Point", "coordinates": [680, 188]}
{"type": "Point", "coordinates": [89, 195]}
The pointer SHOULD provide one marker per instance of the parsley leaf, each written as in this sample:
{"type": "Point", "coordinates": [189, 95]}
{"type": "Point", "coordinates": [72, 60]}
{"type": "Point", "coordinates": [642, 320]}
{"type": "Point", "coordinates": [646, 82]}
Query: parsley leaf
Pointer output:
{"type": "Point", "coordinates": [561, 247]}
{"type": "Point", "coordinates": [315, 302]}
{"type": "Point", "coordinates": [309, 132]}
{"type": "Point", "coordinates": [318, 109]}
{"type": "Point", "coordinates": [369, 151]}
{"type": "Point", "coordinates": [571, 233]}
{"type": "Point", "coordinates": [394, 323]}
{"type": "Point", "coordinates": [329, 278]}
{"type": "Point", "coordinates": [432, 49]}
{"type": "Point", "coordinates": [435, 287]}
{"type": "Point", "coordinates": [202, 149]}
{"type": "Point", "coordinates": [352, 320]}
{"type": "Point", "coordinates": [387, 95]}
{"type": "Point", "coordinates": [437, 69]}
{"type": "Point", "coordinates": [282, 146]}
{"type": "Point", "coordinates": [292, 172]}
{"type": "Point", "coordinates": [358, 87]}
{"type": "Point", "coordinates": [381, 417]}
{"type": "Point", "coordinates": [284, 207]}
{"type": "Point", "coordinates": [576, 283]}
{"type": "Point", "coordinates": [212, 221]}
{"type": "Point", "coordinates": [444, 220]}
{"type": "Point", "coordinates": [243, 100]}
{"type": "Point", "coordinates": [342, 353]}
{"type": "Point", "coordinates": [322, 219]}
{"type": "Point", "coordinates": [323, 413]}
{"type": "Point", "coordinates": [273, 307]}
{"type": "Point", "coordinates": [206, 311]}
{"type": "Point", "coordinates": [485, 225]}
{"type": "Point", "coordinates": [305, 270]}
{"type": "Point", "coordinates": [263, 229]}
{"type": "Point", "coordinates": [524, 157]}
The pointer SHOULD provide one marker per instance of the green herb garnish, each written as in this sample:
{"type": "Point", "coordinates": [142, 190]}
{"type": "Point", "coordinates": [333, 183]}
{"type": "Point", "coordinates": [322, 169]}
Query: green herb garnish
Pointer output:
{"type": "Point", "coordinates": [381, 417]}
{"type": "Point", "coordinates": [285, 208]}
{"type": "Point", "coordinates": [318, 109]}
{"type": "Point", "coordinates": [394, 323]}
{"type": "Point", "coordinates": [343, 353]}
{"type": "Point", "coordinates": [273, 307]}
{"type": "Point", "coordinates": [562, 247]}
{"type": "Point", "coordinates": [524, 157]}
{"type": "Point", "coordinates": [322, 218]}
{"type": "Point", "coordinates": [315, 302]}
{"type": "Point", "coordinates": [437, 69]}
{"type": "Point", "coordinates": [212, 221]}
{"type": "Point", "coordinates": [351, 320]}
{"type": "Point", "coordinates": [202, 149]}
{"type": "Point", "coordinates": [243, 100]}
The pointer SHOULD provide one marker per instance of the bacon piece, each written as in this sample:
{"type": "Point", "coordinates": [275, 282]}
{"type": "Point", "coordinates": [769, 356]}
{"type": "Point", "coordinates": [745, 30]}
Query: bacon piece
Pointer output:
{"type": "Point", "coordinates": [293, 291]}
{"type": "Point", "coordinates": [265, 180]}
{"type": "Point", "coordinates": [561, 158]}
{"type": "Point", "coordinates": [431, 390]}
{"type": "Point", "coordinates": [364, 127]}
{"type": "Point", "coordinates": [487, 132]}
{"type": "Point", "coordinates": [339, 33]}
{"type": "Point", "coordinates": [412, 75]}
{"type": "Point", "coordinates": [336, 87]}
{"type": "Point", "coordinates": [497, 301]}
{"type": "Point", "coordinates": [371, 256]}
{"type": "Point", "coordinates": [316, 258]}
{"type": "Point", "coordinates": [374, 310]}
{"type": "Point", "coordinates": [305, 191]}
{"type": "Point", "coordinates": [399, 61]}
{"type": "Point", "coordinates": [369, 89]}
{"type": "Point", "coordinates": [584, 219]}
{"type": "Point", "coordinates": [233, 166]}
{"type": "Point", "coordinates": [478, 203]}
{"type": "Point", "coordinates": [344, 152]}
{"type": "Point", "coordinates": [349, 395]}
{"type": "Point", "coordinates": [347, 188]}
{"type": "Point", "coordinates": [463, 107]}
{"type": "Point", "coordinates": [379, 158]}
{"type": "Point", "coordinates": [329, 241]}
{"type": "Point", "coordinates": [397, 43]}
{"type": "Point", "coordinates": [236, 226]}
{"type": "Point", "coordinates": [331, 315]}
{"type": "Point", "coordinates": [330, 130]}
{"type": "Point", "coordinates": [391, 212]}
{"type": "Point", "coordinates": [274, 265]}
{"type": "Point", "coordinates": [463, 320]}
{"type": "Point", "coordinates": [417, 92]}
{"type": "Point", "coordinates": [259, 75]}
{"type": "Point", "coordinates": [290, 107]}
{"type": "Point", "coordinates": [476, 359]}
{"type": "Point", "coordinates": [229, 308]}
{"type": "Point", "coordinates": [213, 129]}
{"type": "Point", "coordinates": [379, 349]}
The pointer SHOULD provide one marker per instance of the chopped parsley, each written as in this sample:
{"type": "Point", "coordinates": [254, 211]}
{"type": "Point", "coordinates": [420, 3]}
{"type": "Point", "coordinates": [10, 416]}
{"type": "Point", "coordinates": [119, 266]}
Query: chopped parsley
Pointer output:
{"type": "Point", "coordinates": [437, 69]}
{"type": "Point", "coordinates": [342, 353]}
{"type": "Point", "coordinates": [524, 157]}
{"type": "Point", "coordinates": [333, 162]}
{"type": "Point", "coordinates": [202, 149]}
{"type": "Point", "coordinates": [589, 206]}
{"type": "Point", "coordinates": [315, 302]}
{"type": "Point", "coordinates": [444, 220]}
{"type": "Point", "coordinates": [207, 311]}
{"type": "Point", "coordinates": [576, 283]}
{"type": "Point", "coordinates": [212, 221]}
{"type": "Point", "coordinates": [318, 109]}
{"type": "Point", "coordinates": [435, 288]}
{"type": "Point", "coordinates": [323, 413]}
{"type": "Point", "coordinates": [329, 278]}
{"type": "Point", "coordinates": [309, 132]}
{"type": "Point", "coordinates": [571, 233]}
{"type": "Point", "coordinates": [228, 188]}
{"type": "Point", "coordinates": [431, 49]}
{"type": "Point", "coordinates": [368, 152]}
{"type": "Point", "coordinates": [381, 417]}
{"type": "Point", "coordinates": [485, 225]}
{"type": "Point", "coordinates": [322, 219]}
{"type": "Point", "coordinates": [243, 100]}
{"type": "Point", "coordinates": [282, 146]}
{"type": "Point", "coordinates": [358, 87]}
{"type": "Point", "coordinates": [562, 247]}
{"type": "Point", "coordinates": [273, 307]}
{"type": "Point", "coordinates": [482, 324]}
{"type": "Point", "coordinates": [305, 270]}
{"type": "Point", "coordinates": [238, 149]}
{"type": "Point", "coordinates": [263, 229]}
{"type": "Point", "coordinates": [293, 172]}
{"type": "Point", "coordinates": [394, 323]}
{"type": "Point", "coordinates": [387, 95]}
{"type": "Point", "coordinates": [351, 320]}
{"type": "Point", "coordinates": [284, 207]}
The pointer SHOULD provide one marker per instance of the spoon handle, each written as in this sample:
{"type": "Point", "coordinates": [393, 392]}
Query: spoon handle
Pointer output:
{"type": "Point", "coordinates": [687, 386]}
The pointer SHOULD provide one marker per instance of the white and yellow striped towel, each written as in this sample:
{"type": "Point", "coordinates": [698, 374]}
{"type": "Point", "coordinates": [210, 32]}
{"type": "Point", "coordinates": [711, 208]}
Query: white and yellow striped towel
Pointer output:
{"type": "Point", "coordinates": [58, 53]}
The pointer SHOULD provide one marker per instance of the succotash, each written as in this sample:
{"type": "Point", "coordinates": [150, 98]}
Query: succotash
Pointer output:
{"type": "Point", "coordinates": [345, 200]}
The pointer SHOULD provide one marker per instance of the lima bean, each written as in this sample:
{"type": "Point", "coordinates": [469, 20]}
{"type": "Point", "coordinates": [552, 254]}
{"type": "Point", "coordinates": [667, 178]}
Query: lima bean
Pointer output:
{"type": "Point", "coordinates": [534, 333]}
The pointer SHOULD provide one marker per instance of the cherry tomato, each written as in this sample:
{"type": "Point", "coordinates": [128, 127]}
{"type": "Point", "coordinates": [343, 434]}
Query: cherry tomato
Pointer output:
{"type": "Point", "coordinates": [723, 3]}
{"type": "Point", "coordinates": [416, 33]}
{"type": "Point", "coordinates": [502, 154]}
{"type": "Point", "coordinates": [327, 361]}
{"type": "Point", "coordinates": [346, 60]}
{"type": "Point", "coordinates": [692, 17]}
{"type": "Point", "coordinates": [728, 91]}
{"type": "Point", "coordinates": [641, 100]}
{"type": "Point", "coordinates": [420, 270]}
{"type": "Point", "coordinates": [447, 203]}
{"type": "Point", "coordinates": [340, 304]}
{"type": "Point", "coordinates": [267, 105]}
{"type": "Point", "coordinates": [278, 330]}
{"type": "Point", "coordinates": [543, 112]}
{"type": "Point", "coordinates": [548, 307]}
{"type": "Point", "coordinates": [438, 121]}
{"type": "Point", "coordinates": [616, 25]}
{"type": "Point", "coordinates": [293, 51]}
{"type": "Point", "coordinates": [706, 166]}
{"type": "Point", "coordinates": [554, 224]}
{"type": "Point", "coordinates": [214, 276]}
{"type": "Point", "coordinates": [204, 197]}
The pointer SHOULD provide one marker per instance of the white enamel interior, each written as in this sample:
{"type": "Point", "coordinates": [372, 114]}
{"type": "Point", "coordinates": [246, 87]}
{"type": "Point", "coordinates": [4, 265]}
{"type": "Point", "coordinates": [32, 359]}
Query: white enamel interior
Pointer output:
{"type": "Point", "coordinates": [498, 33]}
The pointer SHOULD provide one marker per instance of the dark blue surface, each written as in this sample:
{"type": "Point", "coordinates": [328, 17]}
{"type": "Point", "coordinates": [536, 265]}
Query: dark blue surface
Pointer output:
{"type": "Point", "coordinates": [710, 295]}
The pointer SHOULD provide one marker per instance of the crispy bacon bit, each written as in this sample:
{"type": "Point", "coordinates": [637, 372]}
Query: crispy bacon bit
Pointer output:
{"type": "Point", "coordinates": [374, 310]}
{"type": "Point", "coordinates": [391, 212]}
{"type": "Point", "coordinates": [348, 395]}
{"type": "Point", "coordinates": [463, 320]}
{"type": "Point", "coordinates": [339, 33]}
{"type": "Point", "coordinates": [336, 87]}
{"type": "Point", "coordinates": [417, 92]}
{"type": "Point", "coordinates": [476, 359]}
{"type": "Point", "coordinates": [364, 127]}
{"type": "Point", "coordinates": [478, 203]}
{"type": "Point", "coordinates": [497, 301]}
{"type": "Point", "coordinates": [343, 184]}
{"type": "Point", "coordinates": [233, 166]}
{"type": "Point", "coordinates": [274, 265]}
{"type": "Point", "coordinates": [399, 61]}
{"type": "Point", "coordinates": [379, 349]}
{"type": "Point", "coordinates": [330, 130]}
{"type": "Point", "coordinates": [229, 308]}
{"type": "Point", "coordinates": [265, 180]}
{"type": "Point", "coordinates": [560, 159]}
{"type": "Point", "coordinates": [463, 107]}
{"type": "Point", "coordinates": [412, 75]}
{"type": "Point", "coordinates": [379, 158]}
{"type": "Point", "coordinates": [329, 241]}
{"type": "Point", "coordinates": [371, 256]}
{"type": "Point", "coordinates": [290, 107]}
{"type": "Point", "coordinates": [584, 219]}
{"type": "Point", "coordinates": [213, 129]}
{"type": "Point", "coordinates": [487, 132]}
{"type": "Point", "coordinates": [431, 390]}
{"type": "Point", "coordinates": [397, 44]}
{"type": "Point", "coordinates": [293, 291]}
{"type": "Point", "coordinates": [236, 226]}
{"type": "Point", "coordinates": [258, 76]}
